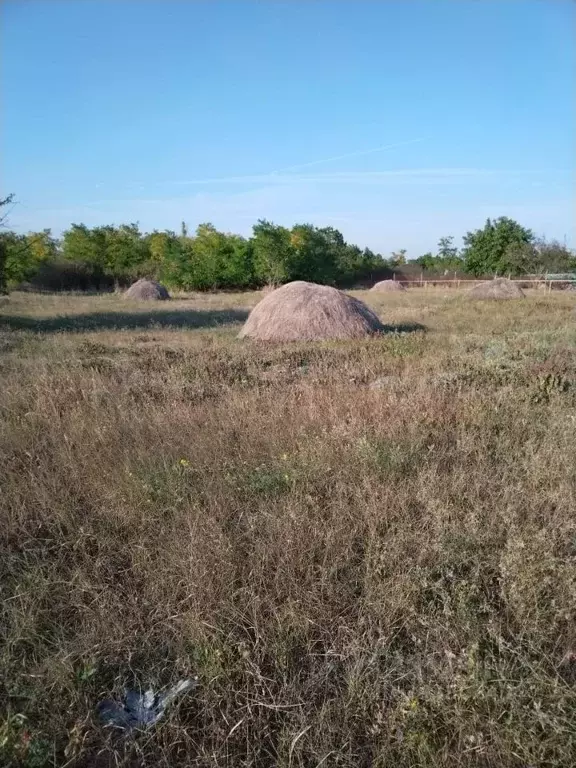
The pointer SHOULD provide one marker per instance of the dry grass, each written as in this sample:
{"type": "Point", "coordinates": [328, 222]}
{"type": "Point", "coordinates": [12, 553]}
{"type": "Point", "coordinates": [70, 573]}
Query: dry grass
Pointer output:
{"type": "Point", "coordinates": [366, 550]}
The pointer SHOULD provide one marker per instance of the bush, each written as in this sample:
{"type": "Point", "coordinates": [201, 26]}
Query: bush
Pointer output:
{"type": "Point", "coordinates": [62, 275]}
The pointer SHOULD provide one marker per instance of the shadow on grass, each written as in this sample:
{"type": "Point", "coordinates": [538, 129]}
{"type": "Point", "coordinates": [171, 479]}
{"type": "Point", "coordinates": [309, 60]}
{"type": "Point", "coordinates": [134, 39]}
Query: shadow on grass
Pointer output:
{"type": "Point", "coordinates": [404, 328]}
{"type": "Point", "coordinates": [98, 321]}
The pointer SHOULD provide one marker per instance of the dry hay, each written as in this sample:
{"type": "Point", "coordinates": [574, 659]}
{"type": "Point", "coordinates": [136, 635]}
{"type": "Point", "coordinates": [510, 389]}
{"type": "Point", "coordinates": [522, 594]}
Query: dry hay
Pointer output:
{"type": "Point", "coordinates": [147, 290]}
{"type": "Point", "coordinates": [499, 288]}
{"type": "Point", "coordinates": [388, 286]}
{"type": "Point", "coordinates": [301, 311]}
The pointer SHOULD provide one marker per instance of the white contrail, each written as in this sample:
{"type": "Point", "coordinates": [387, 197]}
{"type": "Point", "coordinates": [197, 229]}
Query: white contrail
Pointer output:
{"type": "Point", "coordinates": [271, 174]}
{"type": "Point", "coordinates": [359, 153]}
{"type": "Point", "coordinates": [337, 176]}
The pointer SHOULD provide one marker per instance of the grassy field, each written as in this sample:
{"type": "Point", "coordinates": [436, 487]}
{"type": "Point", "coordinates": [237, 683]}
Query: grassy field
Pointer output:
{"type": "Point", "coordinates": [366, 552]}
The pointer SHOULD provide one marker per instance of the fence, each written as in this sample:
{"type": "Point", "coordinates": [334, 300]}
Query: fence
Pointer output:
{"type": "Point", "coordinates": [543, 283]}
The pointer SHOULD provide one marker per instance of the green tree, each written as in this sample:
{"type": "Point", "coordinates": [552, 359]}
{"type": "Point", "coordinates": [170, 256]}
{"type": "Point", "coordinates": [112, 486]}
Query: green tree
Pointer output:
{"type": "Point", "coordinates": [314, 253]}
{"type": "Point", "coordinates": [398, 258]}
{"type": "Point", "coordinates": [355, 264]}
{"type": "Point", "coordinates": [16, 259]}
{"type": "Point", "coordinates": [486, 251]}
{"type": "Point", "coordinates": [159, 248]}
{"type": "Point", "coordinates": [237, 265]}
{"type": "Point", "coordinates": [209, 260]}
{"type": "Point", "coordinates": [219, 260]}
{"type": "Point", "coordinates": [23, 255]}
{"type": "Point", "coordinates": [209, 251]}
{"type": "Point", "coordinates": [447, 251]}
{"type": "Point", "coordinates": [273, 252]}
{"type": "Point", "coordinates": [125, 250]}
{"type": "Point", "coordinates": [427, 261]}
{"type": "Point", "coordinates": [85, 246]}
{"type": "Point", "coordinates": [369, 262]}
{"type": "Point", "coordinates": [43, 247]}
{"type": "Point", "coordinates": [3, 249]}
{"type": "Point", "coordinates": [540, 257]}
{"type": "Point", "coordinates": [118, 252]}
{"type": "Point", "coordinates": [164, 253]}
{"type": "Point", "coordinates": [177, 267]}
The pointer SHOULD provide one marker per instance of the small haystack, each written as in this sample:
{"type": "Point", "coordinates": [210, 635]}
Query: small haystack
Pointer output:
{"type": "Point", "coordinates": [302, 311]}
{"type": "Point", "coordinates": [387, 286]}
{"type": "Point", "coordinates": [499, 288]}
{"type": "Point", "coordinates": [147, 290]}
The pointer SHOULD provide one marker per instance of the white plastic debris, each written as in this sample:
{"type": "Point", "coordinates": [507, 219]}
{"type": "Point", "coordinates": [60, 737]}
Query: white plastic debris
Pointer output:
{"type": "Point", "coordinates": [141, 710]}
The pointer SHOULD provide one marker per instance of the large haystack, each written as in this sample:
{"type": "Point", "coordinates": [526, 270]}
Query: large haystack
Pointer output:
{"type": "Point", "coordinates": [388, 286]}
{"type": "Point", "coordinates": [147, 290]}
{"type": "Point", "coordinates": [499, 288]}
{"type": "Point", "coordinates": [302, 311]}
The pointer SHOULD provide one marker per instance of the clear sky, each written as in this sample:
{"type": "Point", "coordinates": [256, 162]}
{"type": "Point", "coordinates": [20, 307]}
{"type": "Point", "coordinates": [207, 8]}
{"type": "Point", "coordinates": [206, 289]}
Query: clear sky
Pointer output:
{"type": "Point", "coordinates": [395, 121]}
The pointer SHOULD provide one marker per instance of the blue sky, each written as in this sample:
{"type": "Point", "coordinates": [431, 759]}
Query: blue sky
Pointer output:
{"type": "Point", "coordinates": [396, 122]}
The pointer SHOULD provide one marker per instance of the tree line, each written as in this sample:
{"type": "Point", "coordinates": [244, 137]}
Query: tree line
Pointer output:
{"type": "Point", "coordinates": [501, 247]}
{"type": "Point", "coordinates": [206, 260]}
{"type": "Point", "coordinates": [104, 256]}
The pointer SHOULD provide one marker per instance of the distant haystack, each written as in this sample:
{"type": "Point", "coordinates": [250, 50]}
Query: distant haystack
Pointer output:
{"type": "Point", "coordinates": [147, 290]}
{"type": "Point", "coordinates": [302, 311]}
{"type": "Point", "coordinates": [387, 286]}
{"type": "Point", "coordinates": [499, 288]}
